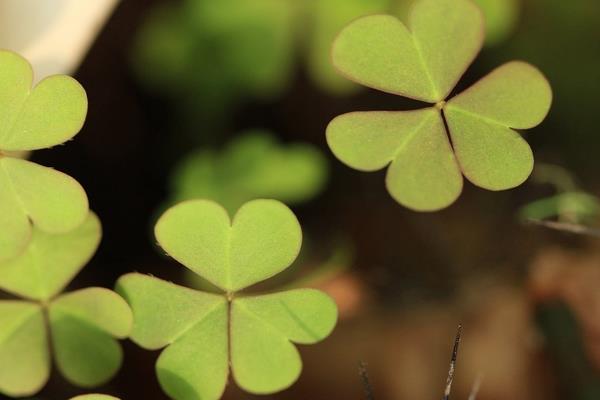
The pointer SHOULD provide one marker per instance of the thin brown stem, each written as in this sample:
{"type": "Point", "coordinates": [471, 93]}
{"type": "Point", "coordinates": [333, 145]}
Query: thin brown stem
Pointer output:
{"type": "Point", "coordinates": [364, 375]}
{"type": "Point", "coordinates": [452, 364]}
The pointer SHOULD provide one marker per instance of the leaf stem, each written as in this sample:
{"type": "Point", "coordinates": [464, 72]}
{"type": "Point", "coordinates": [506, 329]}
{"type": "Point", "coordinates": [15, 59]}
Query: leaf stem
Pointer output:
{"type": "Point", "coordinates": [452, 364]}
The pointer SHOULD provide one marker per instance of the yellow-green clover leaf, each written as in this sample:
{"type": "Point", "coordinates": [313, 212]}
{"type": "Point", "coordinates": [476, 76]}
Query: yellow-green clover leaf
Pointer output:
{"type": "Point", "coordinates": [94, 396]}
{"type": "Point", "coordinates": [81, 325]}
{"type": "Point", "coordinates": [425, 62]}
{"type": "Point", "coordinates": [46, 115]}
{"type": "Point", "coordinates": [252, 166]}
{"type": "Point", "coordinates": [203, 334]}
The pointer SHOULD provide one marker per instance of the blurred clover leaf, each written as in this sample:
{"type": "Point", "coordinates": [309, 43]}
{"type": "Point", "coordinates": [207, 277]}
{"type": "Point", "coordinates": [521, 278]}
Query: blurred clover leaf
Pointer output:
{"type": "Point", "coordinates": [425, 63]}
{"type": "Point", "coordinates": [203, 334]}
{"type": "Point", "coordinates": [207, 51]}
{"type": "Point", "coordinates": [569, 204]}
{"type": "Point", "coordinates": [94, 396]}
{"type": "Point", "coordinates": [253, 166]}
{"type": "Point", "coordinates": [501, 18]}
{"type": "Point", "coordinates": [77, 327]}
{"type": "Point", "coordinates": [46, 115]}
{"type": "Point", "coordinates": [327, 18]}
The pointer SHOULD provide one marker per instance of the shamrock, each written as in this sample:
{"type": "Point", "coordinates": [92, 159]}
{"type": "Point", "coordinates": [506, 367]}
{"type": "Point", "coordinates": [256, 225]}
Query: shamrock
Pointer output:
{"type": "Point", "coordinates": [425, 63]}
{"type": "Point", "coordinates": [252, 166]}
{"type": "Point", "coordinates": [204, 333]}
{"type": "Point", "coordinates": [30, 119]}
{"type": "Point", "coordinates": [77, 327]}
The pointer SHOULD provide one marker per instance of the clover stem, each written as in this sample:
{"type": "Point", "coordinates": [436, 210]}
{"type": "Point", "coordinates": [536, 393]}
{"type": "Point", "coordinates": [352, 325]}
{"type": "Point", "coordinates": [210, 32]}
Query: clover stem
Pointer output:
{"type": "Point", "coordinates": [440, 105]}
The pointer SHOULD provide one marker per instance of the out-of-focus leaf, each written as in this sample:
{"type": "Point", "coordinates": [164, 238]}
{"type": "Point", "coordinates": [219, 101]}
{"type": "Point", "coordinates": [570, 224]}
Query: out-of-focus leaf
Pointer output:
{"type": "Point", "coordinates": [253, 166]}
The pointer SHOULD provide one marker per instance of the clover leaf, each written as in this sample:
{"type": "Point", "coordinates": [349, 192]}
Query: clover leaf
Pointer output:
{"type": "Point", "coordinates": [252, 166]}
{"type": "Point", "coordinates": [77, 327]}
{"type": "Point", "coordinates": [46, 115]}
{"type": "Point", "coordinates": [94, 396]}
{"type": "Point", "coordinates": [203, 333]}
{"type": "Point", "coordinates": [425, 63]}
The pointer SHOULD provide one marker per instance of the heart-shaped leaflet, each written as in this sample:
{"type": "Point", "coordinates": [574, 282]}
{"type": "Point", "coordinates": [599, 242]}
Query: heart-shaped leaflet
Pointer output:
{"type": "Point", "coordinates": [425, 62]}
{"type": "Point", "coordinates": [30, 119]}
{"type": "Point", "coordinates": [201, 332]}
{"type": "Point", "coordinates": [81, 325]}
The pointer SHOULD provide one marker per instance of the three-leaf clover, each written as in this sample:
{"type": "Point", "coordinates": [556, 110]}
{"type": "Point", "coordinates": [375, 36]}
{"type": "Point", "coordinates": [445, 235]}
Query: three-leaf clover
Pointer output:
{"type": "Point", "coordinates": [77, 327]}
{"type": "Point", "coordinates": [35, 118]}
{"type": "Point", "coordinates": [425, 63]}
{"type": "Point", "coordinates": [203, 334]}
{"type": "Point", "coordinates": [252, 166]}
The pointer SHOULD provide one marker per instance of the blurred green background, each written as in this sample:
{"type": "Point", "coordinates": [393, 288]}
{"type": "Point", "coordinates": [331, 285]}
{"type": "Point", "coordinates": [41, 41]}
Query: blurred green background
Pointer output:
{"type": "Point", "coordinates": [229, 100]}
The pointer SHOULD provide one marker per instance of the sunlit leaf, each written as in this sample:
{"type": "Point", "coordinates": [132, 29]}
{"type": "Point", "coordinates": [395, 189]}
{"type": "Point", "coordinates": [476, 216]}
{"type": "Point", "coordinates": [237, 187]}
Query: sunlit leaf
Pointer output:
{"type": "Point", "coordinates": [94, 396]}
{"type": "Point", "coordinates": [47, 115]}
{"type": "Point", "coordinates": [193, 326]}
{"type": "Point", "coordinates": [425, 63]}
{"type": "Point", "coordinates": [262, 240]}
{"type": "Point", "coordinates": [202, 334]}
{"type": "Point", "coordinates": [53, 201]}
{"type": "Point", "coordinates": [24, 354]}
{"type": "Point", "coordinates": [50, 261]}
{"type": "Point", "coordinates": [423, 175]}
{"type": "Point", "coordinates": [501, 16]}
{"type": "Point", "coordinates": [16, 230]}
{"type": "Point", "coordinates": [422, 63]}
{"type": "Point", "coordinates": [83, 326]}
{"type": "Point", "coordinates": [250, 167]}
{"type": "Point", "coordinates": [515, 95]}
{"type": "Point", "coordinates": [490, 155]}
{"type": "Point", "coordinates": [263, 358]}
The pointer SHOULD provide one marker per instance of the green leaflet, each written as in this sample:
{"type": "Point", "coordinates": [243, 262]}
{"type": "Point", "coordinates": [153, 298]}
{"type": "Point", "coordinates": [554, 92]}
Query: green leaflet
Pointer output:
{"type": "Point", "coordinates": [425, 63]}
{"type": "Point", "coordinates": [202, 333]}
{"type": "Point", "coordinates": [22, 125]}
{"type": "Point", "coordinates": [263, 328]}
{"type": "Point", "coordinates": [94, 396]}
{"type": "Point", "coordinates": [369, 141]}
{"type": "Point", "coordinates": [82, 325]}
{"type": "Point", "coordinates": [34, 118]}
{"type": "Point", "coordinates": [23, 347]}
{"type": "Point", "coordinates": [262, 240]}
{"type": "Point", "coordinates": [51, 261]}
